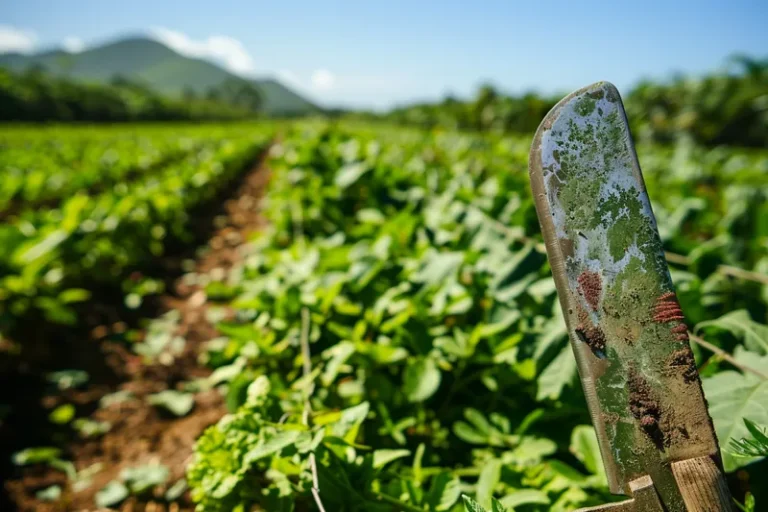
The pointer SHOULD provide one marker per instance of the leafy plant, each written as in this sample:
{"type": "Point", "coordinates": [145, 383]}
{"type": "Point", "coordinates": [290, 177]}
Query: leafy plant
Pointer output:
{"type": "Point", "coordinates": [754, 446]}
{"type": "Point", "coordinates": [471, 505]}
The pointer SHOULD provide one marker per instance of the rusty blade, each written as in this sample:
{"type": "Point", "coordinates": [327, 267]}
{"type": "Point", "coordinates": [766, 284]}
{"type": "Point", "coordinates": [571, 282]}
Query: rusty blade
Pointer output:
{"type": "Point", "coordinates": [626, 327]}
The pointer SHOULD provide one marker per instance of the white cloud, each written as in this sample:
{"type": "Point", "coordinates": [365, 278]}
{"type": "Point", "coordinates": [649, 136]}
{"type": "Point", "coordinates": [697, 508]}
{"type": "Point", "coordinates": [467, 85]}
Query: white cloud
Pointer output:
{"type": "Point", "coordinates": [73, 44]}
{"type": "Point", "coordinates": [323, 79]}
{"type": "Point", "coordinates": [228, 51]}
{"type": "Point", "coordinates": [13, 39]}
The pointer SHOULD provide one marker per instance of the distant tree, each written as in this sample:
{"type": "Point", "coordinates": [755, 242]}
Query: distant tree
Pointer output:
{"type": "Point", "coordinates": [37, 96]}
{"type": "Point", "coordinates": [213, 94]}
{"type": "Point", "coordinates": [241, 93]}
{"type": "Point", "coordinates": [65, 63]}
{"type": "Point", "coordinates": [189, 94]}
{"type": "Point", "coordinates": [482, 112]}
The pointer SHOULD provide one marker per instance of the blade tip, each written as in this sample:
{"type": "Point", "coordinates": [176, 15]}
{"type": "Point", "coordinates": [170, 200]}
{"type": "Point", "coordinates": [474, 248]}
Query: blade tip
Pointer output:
{"type": "Point", "coordinates": [549, 119]}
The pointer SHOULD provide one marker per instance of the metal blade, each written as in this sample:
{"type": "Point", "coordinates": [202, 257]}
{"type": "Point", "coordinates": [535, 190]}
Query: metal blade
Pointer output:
{"type": "Point", "coordinates": [626, 327]}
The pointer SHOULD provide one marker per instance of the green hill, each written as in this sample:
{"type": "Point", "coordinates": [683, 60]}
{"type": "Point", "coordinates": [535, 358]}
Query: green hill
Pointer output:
{"type": "Point", "coordinates": [156, 65]}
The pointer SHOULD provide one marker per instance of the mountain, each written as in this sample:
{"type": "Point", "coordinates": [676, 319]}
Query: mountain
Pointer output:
{"type": "Point", "coordinates": [156, 65]}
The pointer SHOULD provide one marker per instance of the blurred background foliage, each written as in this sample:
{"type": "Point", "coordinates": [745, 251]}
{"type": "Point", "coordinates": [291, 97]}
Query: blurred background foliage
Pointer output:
{"type": "Point", "coordinates": [728, 107]}
{"type": "Point", "coordinates": [35, 95]}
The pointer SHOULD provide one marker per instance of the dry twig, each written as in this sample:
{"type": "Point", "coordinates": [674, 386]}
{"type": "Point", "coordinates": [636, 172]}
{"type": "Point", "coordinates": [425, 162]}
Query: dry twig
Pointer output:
{"type": "Point", "coordinates": [307, 364]}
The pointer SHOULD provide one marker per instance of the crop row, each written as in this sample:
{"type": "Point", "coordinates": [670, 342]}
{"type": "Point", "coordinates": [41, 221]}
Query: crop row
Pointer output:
{"type": "Point", "coordinates": [49, 257]}
{"type": "Point", "coordinates": [47, 165]}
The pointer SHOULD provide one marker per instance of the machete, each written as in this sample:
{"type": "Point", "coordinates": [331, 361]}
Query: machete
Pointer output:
{"type": "Point", "coordinates": [625, 324]}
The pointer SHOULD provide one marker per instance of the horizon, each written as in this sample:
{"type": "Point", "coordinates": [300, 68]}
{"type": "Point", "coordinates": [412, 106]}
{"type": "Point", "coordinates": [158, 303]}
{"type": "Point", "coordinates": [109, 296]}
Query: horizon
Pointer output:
{"type": "Point", "coordinates": [366, 69]}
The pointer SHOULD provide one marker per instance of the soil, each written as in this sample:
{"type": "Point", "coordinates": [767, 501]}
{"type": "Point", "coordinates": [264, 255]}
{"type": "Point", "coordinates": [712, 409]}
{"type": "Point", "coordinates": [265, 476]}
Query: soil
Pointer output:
{"type": "Point", "coordinates": [140, 434]}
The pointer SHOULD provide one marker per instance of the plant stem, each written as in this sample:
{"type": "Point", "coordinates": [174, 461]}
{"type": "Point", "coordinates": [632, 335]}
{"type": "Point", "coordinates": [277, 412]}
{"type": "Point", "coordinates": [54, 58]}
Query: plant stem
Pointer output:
{"type": "Point", "coordinates": [725, 355]}
{"type": "Point", "coordinates": [727, 270]}
{"type": "Point", "coordinates": [307, 367]}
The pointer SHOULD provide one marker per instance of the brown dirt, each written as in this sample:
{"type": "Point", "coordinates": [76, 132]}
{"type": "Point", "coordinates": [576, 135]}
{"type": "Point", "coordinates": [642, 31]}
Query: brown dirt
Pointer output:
{"type": "Point", "coordinates": [591, 334]}
{"type": "Point", "coordinates": [140, 433]}
{"type": "Point", "coordinates": [644, 406]}
{"type": "Point", "coordinates": [682, 360]}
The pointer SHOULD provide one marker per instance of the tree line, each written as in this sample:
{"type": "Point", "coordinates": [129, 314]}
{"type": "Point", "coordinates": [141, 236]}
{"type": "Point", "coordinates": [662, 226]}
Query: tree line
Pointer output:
{"type": "Point", "coordinates": [729, 107]}
{"type": "Point", "coordinates": [35, 95]}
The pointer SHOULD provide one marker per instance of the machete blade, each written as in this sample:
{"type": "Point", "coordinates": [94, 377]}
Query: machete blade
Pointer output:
{"type": "Point", "coordinates": [624, 321]}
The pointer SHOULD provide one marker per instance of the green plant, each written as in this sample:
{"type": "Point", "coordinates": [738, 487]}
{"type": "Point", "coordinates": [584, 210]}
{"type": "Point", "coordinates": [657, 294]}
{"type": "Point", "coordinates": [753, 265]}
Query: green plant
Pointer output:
{"type": "Point", "coordinates": [756, 445]}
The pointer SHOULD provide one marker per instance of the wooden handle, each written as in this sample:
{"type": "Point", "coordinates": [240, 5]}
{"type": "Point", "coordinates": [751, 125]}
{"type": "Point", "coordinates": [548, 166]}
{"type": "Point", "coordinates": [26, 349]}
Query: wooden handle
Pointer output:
{"type": "Point", "coordinates": [702, 485]}
{"type": "Point", "coordinates": [644, 499]}
{"type": "Point", "coordinates": [699, 480]}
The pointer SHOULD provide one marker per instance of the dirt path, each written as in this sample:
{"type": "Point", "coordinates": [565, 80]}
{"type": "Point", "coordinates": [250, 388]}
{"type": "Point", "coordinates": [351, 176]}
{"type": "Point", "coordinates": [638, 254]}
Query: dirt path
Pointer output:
{"type": "Point", "coordinates": [142, 434]}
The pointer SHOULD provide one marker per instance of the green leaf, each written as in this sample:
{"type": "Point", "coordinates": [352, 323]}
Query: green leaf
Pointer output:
{"type": "Point", "coordinates": [112, 494]}
{"type": "Point", "coordinates": [471, 505]}
{"type": "Point", "coordinates": [416, 466]}
{"type": "Point", "coordinates": [67, 379]}
{"type": "Point", "coordinates": [567, 472]}
{"type": "Point", "coordinates": [272, 446]}
{"type": "Point", "coordinates": [349, 174]}
{"type": "Point", "coordinates": [336, 356]}
{"type": "Point", "coordinates": [584, 446]}
{"type": "Point", "coordinates": [51, 493]}
{"type": "Point", "coordinates": [443, 492]}
{"type": "Point", "coordinates": [526, 497]}
{"type": "Point", "coordinates": [532, 450]}
{"type": "Point", "coordinates": [437, 267]}
{"type": "Point", "coordinates": [518, 268]}
{"type": "Point", "coordinates": [63, 414]}
{"type": "Point", "coordinates": [349, 422]}
{"type": "Point", "coordinates": [144, 478]}
{"type": "Point", "coordinates": [74, 295]}
{"type": "Point", "coordinates": [175, 491]}
{"type": "Point", "coordinates": [740, 324]}
{"type": "Point", "coordinates": [756, 446]}
{"type": "Point", "coordinates": [731, 396]}
{"type": "Point", "coordinates": [178, 403]}
{"type": "Point", "coordinates": [29, 253]}
{"type": "Point", "coordinates": [490, 476]}
{"type": "Point", "coordinates": [469, 434]}
{"type": "Point", "coordinates": [496, 506]}
{"type": "Point", "coordinates": [421, 380]}
{"type": "Point", "coordinates": [383, 457]}
{"type": "Point", "coordinates": [37, 455]}
{"type": "Point", "coordinates": [561, 372]}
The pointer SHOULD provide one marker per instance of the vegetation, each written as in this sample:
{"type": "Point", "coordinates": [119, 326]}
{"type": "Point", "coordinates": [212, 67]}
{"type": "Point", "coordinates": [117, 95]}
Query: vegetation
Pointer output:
{"type": "Point", "coordinates": [730, 108]}
{"type": "Point", "coordinates": [112, 225]}
{"type": "Point", "coordinates": [36, 96]}
{"type": "Point", "coordinates": [410, 266]}
{"type": "Point", "coordinates": [391, 340]}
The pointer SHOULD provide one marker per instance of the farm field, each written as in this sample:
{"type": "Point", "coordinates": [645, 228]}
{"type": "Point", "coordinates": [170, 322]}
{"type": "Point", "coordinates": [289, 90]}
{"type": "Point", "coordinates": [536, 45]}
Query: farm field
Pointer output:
{"type": "Point", "coordinates": [161, 289]}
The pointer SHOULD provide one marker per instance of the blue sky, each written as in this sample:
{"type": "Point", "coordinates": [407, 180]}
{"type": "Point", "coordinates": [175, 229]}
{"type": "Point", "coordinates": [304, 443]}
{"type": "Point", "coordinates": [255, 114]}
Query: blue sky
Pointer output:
{"type": "Point", "coordinates": [380, 54]}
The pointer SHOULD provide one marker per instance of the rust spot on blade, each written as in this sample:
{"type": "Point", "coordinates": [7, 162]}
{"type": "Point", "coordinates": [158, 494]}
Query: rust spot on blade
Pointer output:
{"type": "Point", "coordinates": [681, 332]}
{"type": "Point", "coordinates": [667, 309]}
{"type": "Point", "coordinates": [591, 288]}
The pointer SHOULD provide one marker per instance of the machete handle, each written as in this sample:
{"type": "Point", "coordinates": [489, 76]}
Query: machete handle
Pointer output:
{"type": "Point", "coordinates": [701, 484]}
